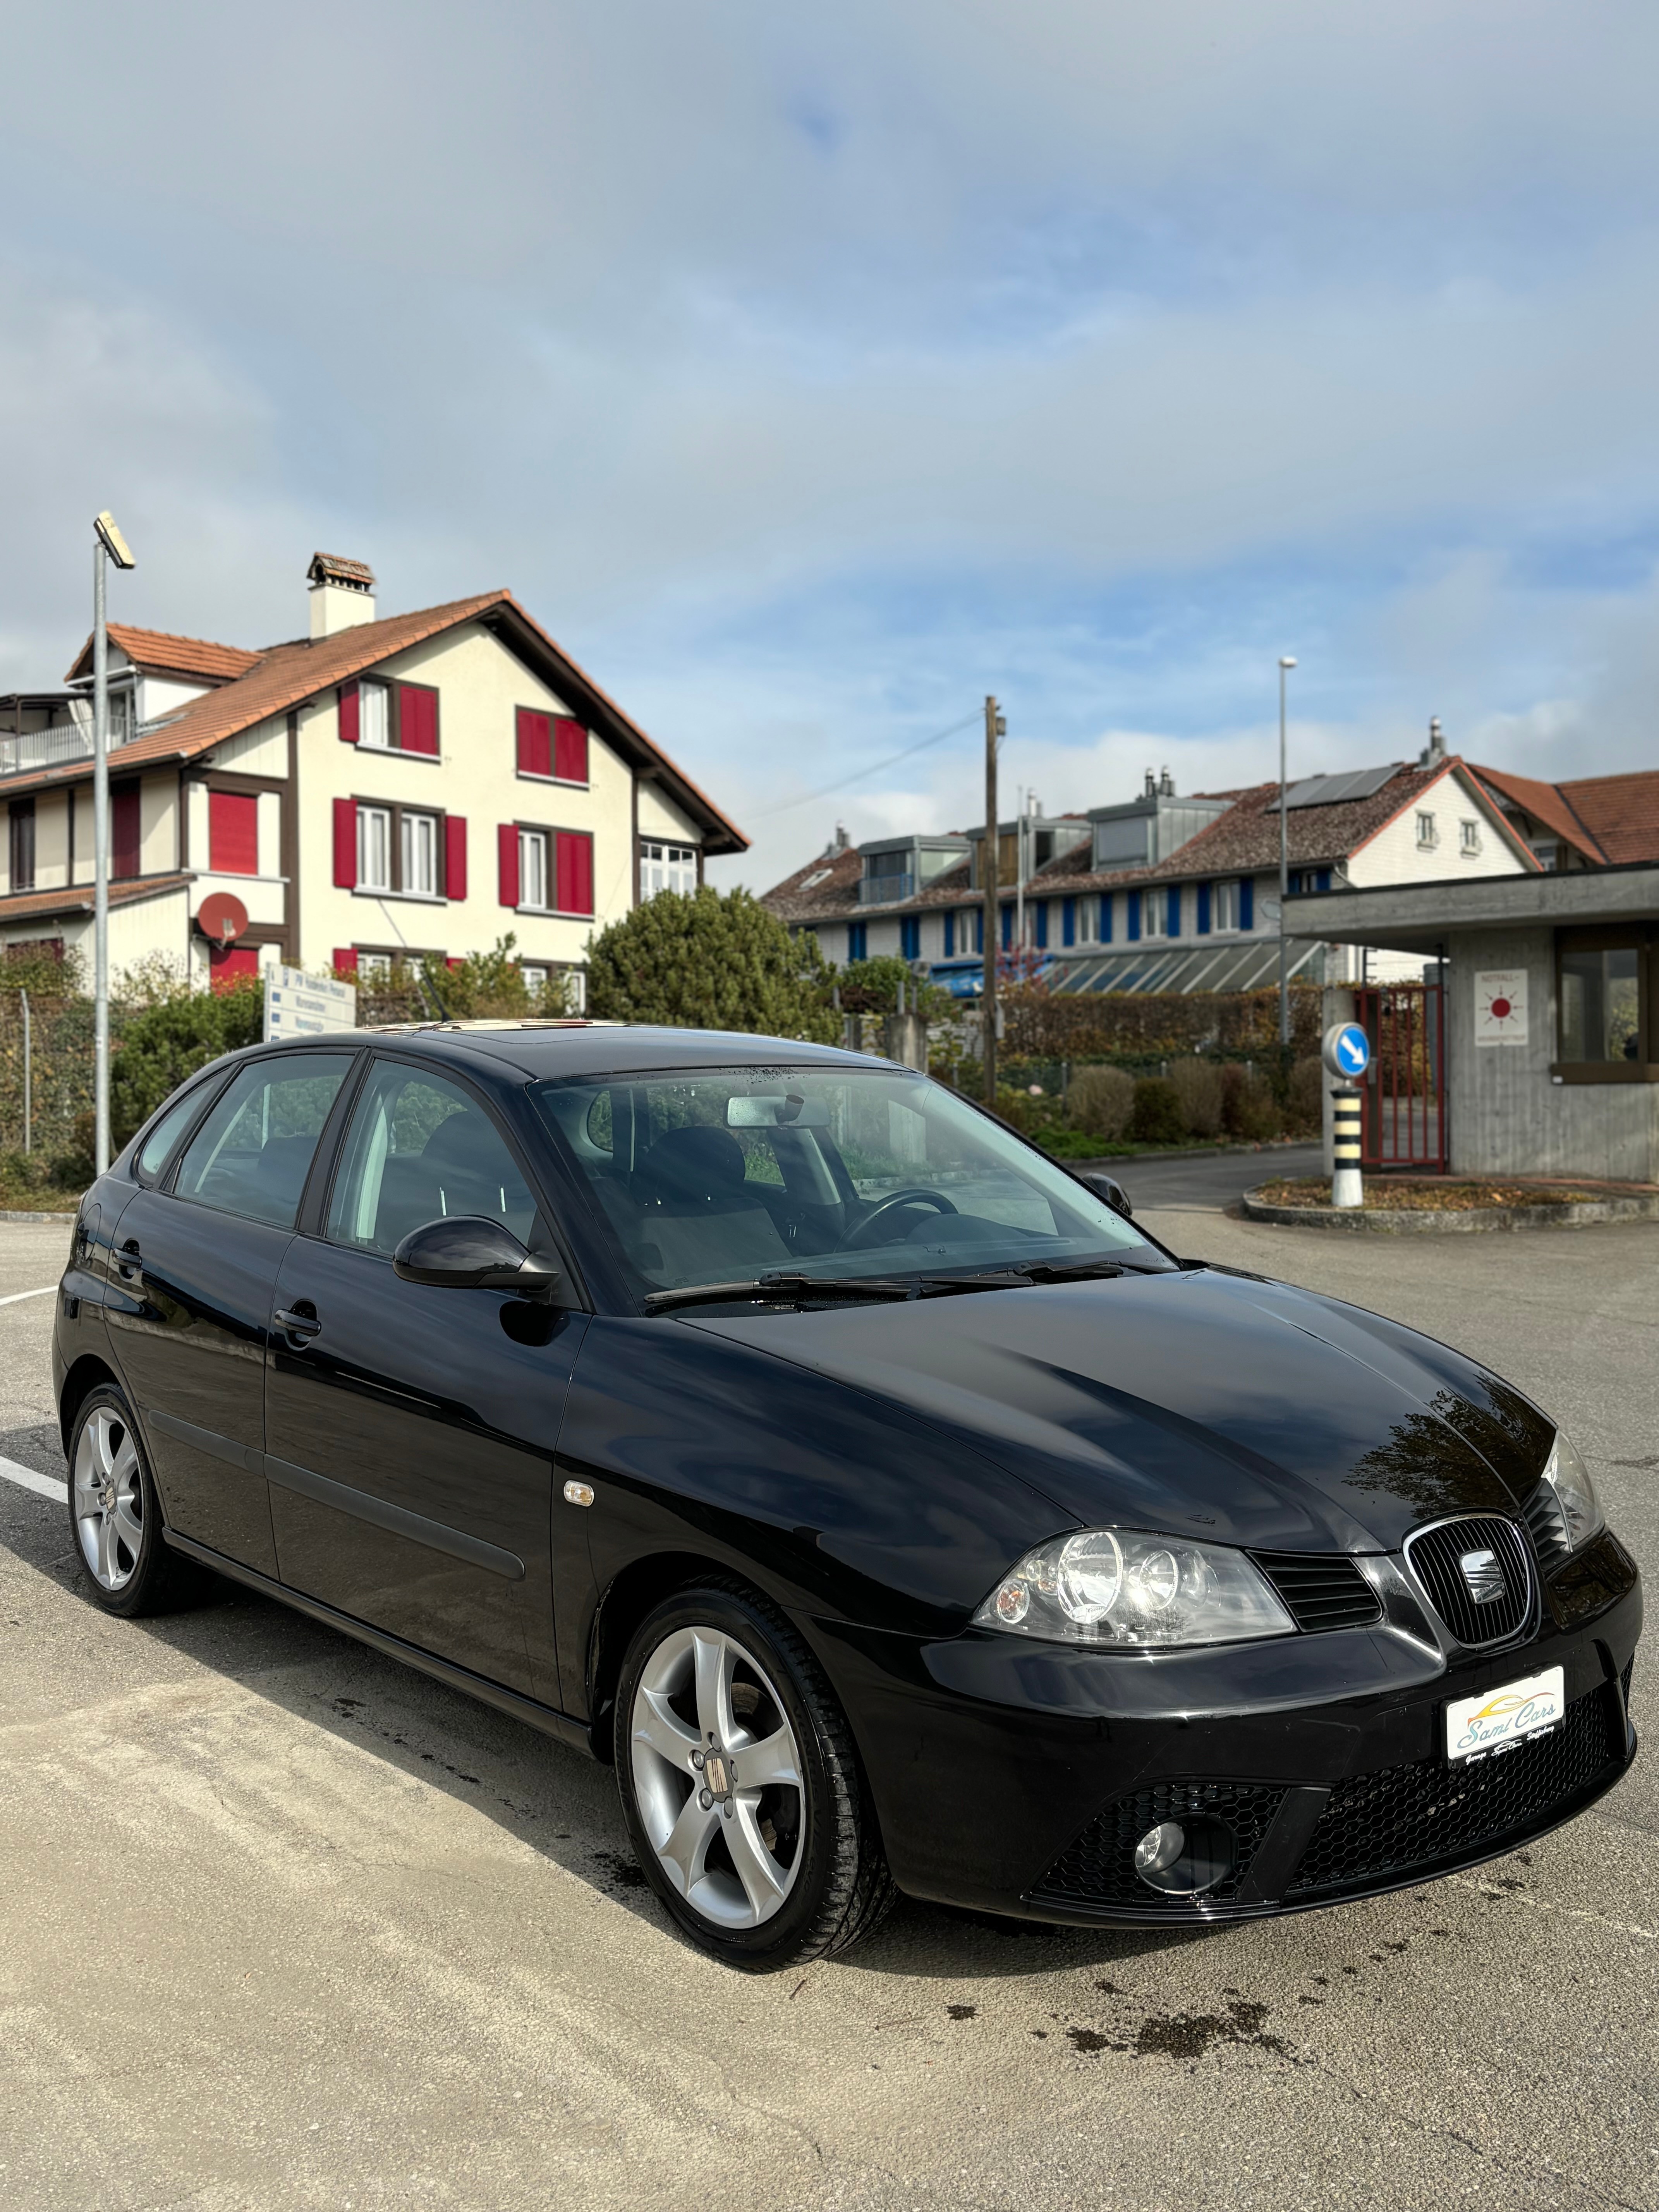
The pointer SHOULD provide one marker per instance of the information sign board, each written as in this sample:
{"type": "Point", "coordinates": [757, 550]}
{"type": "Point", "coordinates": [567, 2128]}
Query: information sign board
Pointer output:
{"type": "Point", "coordinates": [297, 1005]}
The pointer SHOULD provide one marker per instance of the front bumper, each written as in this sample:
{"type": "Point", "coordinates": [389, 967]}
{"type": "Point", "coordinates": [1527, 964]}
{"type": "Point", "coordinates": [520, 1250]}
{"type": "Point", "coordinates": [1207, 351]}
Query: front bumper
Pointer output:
{"type": "Point", "coordinates": [1015, 1776]}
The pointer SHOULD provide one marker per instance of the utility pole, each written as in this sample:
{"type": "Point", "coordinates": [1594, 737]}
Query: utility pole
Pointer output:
{"type": "Point", "coordinates": [995, 728]}
{"type": "Point", "coordinates": [1287, 661]}
{"type": "Point", "coordinates": [108, 546]}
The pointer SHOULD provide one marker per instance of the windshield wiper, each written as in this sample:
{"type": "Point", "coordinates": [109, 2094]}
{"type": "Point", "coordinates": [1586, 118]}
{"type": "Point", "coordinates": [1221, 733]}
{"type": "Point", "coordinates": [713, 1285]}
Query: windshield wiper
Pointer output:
{"type": "Point", "coordinates": [796, 1289]}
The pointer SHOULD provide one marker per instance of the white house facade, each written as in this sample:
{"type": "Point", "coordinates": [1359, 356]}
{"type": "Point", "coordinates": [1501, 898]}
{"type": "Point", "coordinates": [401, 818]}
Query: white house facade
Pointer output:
{"type": "Point", "coordinates": [381, 788]}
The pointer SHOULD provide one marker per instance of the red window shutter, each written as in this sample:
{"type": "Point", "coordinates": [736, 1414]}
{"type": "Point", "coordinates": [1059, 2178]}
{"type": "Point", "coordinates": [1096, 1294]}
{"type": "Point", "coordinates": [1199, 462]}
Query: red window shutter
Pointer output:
{"type": "Point", "coordinates": [506, 838]}
{"type": "Point", "coordinates": [455, 960]}
{"type": "Point", "coordinates": [228, 963]}
{"type": "Point", "coordinates": [417, 718]}
{"type": "Point", "coordinates": [345, 843]}
{"type": "Point", "coordinates": [123, 832]}
{"type": "Point", "coordinates": [348, 714]}
{"type": "Point", "coordinates": [455, 856]}
{"type": "Point", "coordinates": [570, 750]}
{"type": "Point", "coordinates": [535, 743]}
{"type": "Point", "coordinates": [346, 959]}
{"type": "Point", "coordinates": [574, 892]}
{"type": "Point", "coordinates": [233, 833]}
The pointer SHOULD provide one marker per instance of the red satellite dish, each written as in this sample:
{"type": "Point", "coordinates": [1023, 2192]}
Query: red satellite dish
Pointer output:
{"type": "Point", "coordinates": [222, 916]}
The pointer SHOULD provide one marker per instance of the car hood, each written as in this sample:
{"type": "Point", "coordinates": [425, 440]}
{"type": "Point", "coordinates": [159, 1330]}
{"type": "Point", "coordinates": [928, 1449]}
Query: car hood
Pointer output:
{"type": "Point", "coordinates": [1205, 1402]}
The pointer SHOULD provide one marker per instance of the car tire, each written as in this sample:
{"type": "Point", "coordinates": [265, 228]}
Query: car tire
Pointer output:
{"type": "Point", "coordinates": [764, 1872]}
{"type": "Point", "coordinates": [115, 1514]}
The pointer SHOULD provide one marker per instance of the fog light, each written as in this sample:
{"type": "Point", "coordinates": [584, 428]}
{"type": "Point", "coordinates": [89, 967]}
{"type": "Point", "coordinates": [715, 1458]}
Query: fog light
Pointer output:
{"type": "Point", "coordinates": [1183, 1859]}
{"type": "Point", "coordinates": [1160, 1847]}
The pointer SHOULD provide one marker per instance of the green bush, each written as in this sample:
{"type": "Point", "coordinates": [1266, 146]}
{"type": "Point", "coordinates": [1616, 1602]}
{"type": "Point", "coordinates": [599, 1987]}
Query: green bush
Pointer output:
{"type": "Point", "coordinates": [1304, 1102]}
{"type": "Point", "coordinates": [701, 960]}
{"type": "Point", "coordinates": [1249, 1108]}
{"type": "Point", "coordinates": [1100, 1101]}
{"type": "Point", "coordinates": [1198, 1086]}
{"type": "Point", "coordinates": [171, 1040]}
{"type": "Point", "coordinates": [1157, 1118]}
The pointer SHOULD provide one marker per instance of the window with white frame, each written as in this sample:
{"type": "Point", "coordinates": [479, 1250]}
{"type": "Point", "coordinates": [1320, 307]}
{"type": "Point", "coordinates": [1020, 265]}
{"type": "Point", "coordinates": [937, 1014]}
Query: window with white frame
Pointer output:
{"type": "Point", "coordinates": [373, 966]}
{"type": "Point", "coordinates": [1427, 835]}
{"type": "Point", "coordinates": [535, 975]}
{"type": "Point", "coordinates": [1468, 838]}
{"type": "Point", "coordinates": [533, 868]}
{"type": "Point", "coordinates": [1223, 904]}
{"type": "Point", "coordinates": [670, 868]}
{"type": "Point", "coordinates": [1154, 913]}
{"type": "Point", "coordinates": [374, 715]}
{"type": "Point", "coordinates": [374, 848]}
{"type": "Point", "coordinates": [420, 854]}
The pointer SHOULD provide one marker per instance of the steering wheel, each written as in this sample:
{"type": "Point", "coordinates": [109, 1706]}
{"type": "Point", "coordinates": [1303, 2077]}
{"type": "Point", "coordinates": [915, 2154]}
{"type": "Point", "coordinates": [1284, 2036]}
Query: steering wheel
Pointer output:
{"type": "Point", "coordinates": [858, 1236]}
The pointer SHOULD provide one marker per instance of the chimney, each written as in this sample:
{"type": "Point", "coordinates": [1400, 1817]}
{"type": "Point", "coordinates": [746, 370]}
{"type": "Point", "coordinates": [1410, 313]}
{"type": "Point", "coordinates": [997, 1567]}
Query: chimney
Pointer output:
{"type": "Point", "coordinates": [1151, 790]}
{"type": "Point", "coordinates": [342, 594]}
{"type": "Point", "coordinates": [1435, 751]}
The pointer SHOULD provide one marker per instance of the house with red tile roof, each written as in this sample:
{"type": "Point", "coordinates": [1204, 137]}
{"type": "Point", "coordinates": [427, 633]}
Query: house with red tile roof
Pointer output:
{"type": "Point", "coordinates": [1586, 821]}
{"type": "Point", "coordinates": [1168, 892]}
{"type": "Point", "coordinates": [382, 787]}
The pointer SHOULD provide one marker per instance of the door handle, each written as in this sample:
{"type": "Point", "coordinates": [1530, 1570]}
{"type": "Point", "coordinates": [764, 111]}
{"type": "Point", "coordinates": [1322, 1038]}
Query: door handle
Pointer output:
{"type": "Point", "coordinates": [126, 1262]}
{"type": "Point", "coordinates": [298, 1321]}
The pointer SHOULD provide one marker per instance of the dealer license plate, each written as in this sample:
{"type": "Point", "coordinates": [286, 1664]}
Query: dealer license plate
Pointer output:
{"type": "Point", "coordinates": [1496, 1718]}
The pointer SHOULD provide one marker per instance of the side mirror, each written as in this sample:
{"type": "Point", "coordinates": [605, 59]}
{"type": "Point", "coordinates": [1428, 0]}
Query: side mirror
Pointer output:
{"type": "Point", "coordinates": [469, 1251]}
{"type": "Point", "coordinates": [1109, 1188]}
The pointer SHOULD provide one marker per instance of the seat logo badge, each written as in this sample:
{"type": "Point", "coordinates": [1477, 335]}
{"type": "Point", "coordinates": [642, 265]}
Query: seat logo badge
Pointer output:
{"type": "Point", "coordinates": [1484, 1577]}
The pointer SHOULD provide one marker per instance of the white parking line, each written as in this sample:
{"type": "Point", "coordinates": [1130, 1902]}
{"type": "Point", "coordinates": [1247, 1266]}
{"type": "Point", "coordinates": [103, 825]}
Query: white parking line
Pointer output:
{"type": "Point", "coordinates": [16, 1296]}
{"type": "Point", "coordinates": [26, 1479]}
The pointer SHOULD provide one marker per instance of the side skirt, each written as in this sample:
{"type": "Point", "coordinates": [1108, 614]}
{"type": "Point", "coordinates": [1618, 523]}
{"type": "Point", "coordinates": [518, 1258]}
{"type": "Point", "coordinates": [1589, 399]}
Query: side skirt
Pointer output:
{"type": "Point", "coordinates": [575, 1733]}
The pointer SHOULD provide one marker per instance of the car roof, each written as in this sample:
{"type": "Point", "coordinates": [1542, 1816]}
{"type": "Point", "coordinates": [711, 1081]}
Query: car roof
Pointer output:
{"type": "Point", "coordinates": [543, 1052]}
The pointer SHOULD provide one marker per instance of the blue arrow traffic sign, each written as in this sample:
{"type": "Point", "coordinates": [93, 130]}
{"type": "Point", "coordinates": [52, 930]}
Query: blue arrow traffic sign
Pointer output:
{"type": "Point", "coordinates": [1347, 1051]}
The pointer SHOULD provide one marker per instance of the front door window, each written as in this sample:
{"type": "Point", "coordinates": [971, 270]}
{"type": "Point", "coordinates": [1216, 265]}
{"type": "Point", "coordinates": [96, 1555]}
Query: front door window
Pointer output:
{"type": "Point", "coordinates": [419, 1149]}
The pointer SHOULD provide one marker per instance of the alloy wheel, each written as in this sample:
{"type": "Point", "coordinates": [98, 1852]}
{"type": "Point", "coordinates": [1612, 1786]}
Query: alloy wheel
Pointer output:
{"type": "Point", "coordinates": [717, 1777]}
{"type": "Point", "coordinates": [109, 1499]}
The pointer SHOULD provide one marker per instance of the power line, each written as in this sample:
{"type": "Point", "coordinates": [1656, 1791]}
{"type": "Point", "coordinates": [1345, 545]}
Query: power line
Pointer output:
{"type": "Point", "coordinates": [857, 776]}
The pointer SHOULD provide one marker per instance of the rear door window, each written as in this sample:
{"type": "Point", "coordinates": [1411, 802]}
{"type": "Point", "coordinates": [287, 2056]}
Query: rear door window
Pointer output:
{"type": "Point", "coordinates": [252, 1154]}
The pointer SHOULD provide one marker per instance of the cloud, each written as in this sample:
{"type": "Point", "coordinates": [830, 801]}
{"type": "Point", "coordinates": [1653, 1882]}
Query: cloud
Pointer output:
{"type": "Point", "coordinates": [814, 374]}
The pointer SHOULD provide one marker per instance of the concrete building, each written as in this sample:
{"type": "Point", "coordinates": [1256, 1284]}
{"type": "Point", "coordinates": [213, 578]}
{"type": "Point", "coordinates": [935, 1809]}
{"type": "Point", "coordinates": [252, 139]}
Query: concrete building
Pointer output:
{"type": "Point", "coordinates": [421, 783]}
{"type": "Point", "coordinates": [1551, 1011]}
{"type": "Point", "coordinates": [1164, 892]}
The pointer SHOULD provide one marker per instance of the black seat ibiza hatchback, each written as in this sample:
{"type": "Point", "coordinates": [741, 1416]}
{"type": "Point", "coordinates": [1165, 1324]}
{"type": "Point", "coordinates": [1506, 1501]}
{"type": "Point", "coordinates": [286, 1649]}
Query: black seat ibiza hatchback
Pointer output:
{"type": "Point", "coordinates": [772, 1422]}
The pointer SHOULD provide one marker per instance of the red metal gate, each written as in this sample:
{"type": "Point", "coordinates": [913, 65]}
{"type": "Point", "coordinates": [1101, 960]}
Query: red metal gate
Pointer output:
{"type": "Point", "coordinates": [1404, 1120]}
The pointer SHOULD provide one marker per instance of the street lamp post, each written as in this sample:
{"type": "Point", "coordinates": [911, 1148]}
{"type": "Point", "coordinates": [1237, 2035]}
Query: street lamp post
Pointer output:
{"type": "Point", "coordinates": [108, 546]}
{"type": "Point", "coordinates": [1286, 662]}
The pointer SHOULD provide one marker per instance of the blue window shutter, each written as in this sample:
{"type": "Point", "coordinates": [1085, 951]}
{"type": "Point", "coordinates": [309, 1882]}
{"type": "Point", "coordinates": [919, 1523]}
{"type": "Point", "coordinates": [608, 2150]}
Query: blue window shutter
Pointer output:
{"type": "Point", "coordinates": [951, 933]}
{"type": "Point", "coordinates": [1041, 932]}
{"type": "Point", "coordinates": [1204, 909]}
{"type": "Point", "coordinates": [1105, 918]}
{"type": "Point", "coordinates": [1247, 902]}
{"type": "Point", "coordinates": [910, 936]}
{"type": "Point", "coordinates": [1007, 928]}
{"type": "Point", "coordinates": [1324, 879]}
{"type": "Point", "coordinates": [1069, 921]}
{"type": "Point", "coordinates": [1172, 912]}
{"type": "Point", "coordinates": [857, 938]}
{"type": "Point", "coordinates": [1134, 918]}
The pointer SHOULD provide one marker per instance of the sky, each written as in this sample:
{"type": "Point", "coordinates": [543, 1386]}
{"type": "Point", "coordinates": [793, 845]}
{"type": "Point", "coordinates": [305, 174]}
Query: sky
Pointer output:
{"type": "Point", "coordinates": [810, 373]}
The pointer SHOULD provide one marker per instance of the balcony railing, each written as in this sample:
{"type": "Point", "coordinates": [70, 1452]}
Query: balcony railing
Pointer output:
{"type": "Point", "coordinates": [22, 752]}
{"type": "Point", "coordinates": [883, 890]}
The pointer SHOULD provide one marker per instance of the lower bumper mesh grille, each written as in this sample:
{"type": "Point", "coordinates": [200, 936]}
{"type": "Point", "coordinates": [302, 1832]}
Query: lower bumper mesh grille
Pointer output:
{"type": "Point", "coordinates": [1098, 1869]}
{"type": "Point", "coordinates": [1382, 1825]}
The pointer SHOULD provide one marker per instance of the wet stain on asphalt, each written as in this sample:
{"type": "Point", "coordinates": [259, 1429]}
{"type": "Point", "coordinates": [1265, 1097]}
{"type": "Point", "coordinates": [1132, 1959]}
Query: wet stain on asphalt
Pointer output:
{"type": "Point", "coordinates": [963, 2012]}
{"type": "Point", "coordinates": [622, 1872]}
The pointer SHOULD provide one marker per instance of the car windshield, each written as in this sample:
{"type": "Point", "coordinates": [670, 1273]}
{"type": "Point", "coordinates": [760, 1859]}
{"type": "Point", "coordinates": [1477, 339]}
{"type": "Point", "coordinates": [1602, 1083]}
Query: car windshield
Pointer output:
{"type": "Point", "coordinates": [722, 1174]}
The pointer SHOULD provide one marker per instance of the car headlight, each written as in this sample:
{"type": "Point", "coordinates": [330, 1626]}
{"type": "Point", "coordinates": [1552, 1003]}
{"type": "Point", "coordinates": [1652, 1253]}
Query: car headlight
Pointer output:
{"type": "Point", "coordinates": [1116, 1588]}
{"type": "Point", "coordinates": [1569, 1478]}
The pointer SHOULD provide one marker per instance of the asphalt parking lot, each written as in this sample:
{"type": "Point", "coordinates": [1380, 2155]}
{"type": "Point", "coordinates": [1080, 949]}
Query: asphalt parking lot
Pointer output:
{"type": "Point", "coordinates": [285, 1925]}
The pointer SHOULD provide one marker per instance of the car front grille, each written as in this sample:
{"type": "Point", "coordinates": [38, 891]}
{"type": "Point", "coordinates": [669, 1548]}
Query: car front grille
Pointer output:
{"type": "Point", "coordinates": [1099, 1868]}
{"type": "Point", "coordinates": [1436, 1555]}
{"type": "Point", "coordinates": [1321, 1589]}
{"type": "Point", "coordinates": [1382, 1825]}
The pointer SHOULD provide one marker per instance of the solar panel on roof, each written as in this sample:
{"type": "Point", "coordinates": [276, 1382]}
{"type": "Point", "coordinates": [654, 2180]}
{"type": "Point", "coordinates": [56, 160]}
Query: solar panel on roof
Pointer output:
{"type": "Point", "coordinates": [1329, 790]}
